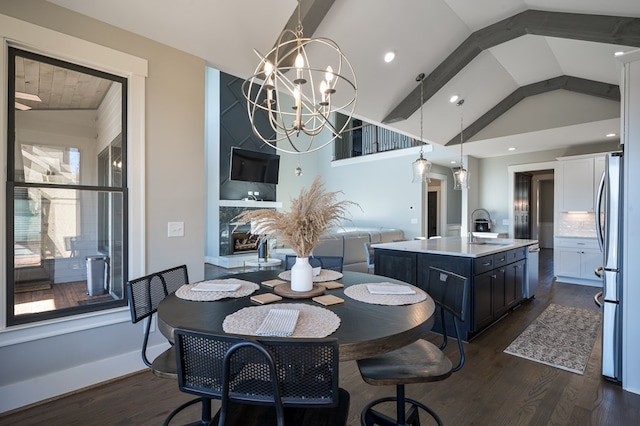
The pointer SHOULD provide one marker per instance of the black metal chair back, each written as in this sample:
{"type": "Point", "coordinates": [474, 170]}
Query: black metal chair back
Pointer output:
{"type": "Point", "coordinates": [369, 252]}
{"type": "Point", "coordinates": [146, 293]}
{"type": "Point", "coordinates": [450, 292]}
{"type": "Point", "coordinates": [333, 263]}
{"type": "Point", "coordinates": [281, 373]}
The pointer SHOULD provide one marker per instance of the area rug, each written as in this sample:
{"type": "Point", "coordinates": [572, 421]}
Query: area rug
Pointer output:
{"type": "Point", "coordinates": [561, 337]}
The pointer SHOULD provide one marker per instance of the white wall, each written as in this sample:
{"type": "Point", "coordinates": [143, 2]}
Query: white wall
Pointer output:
{"type": "Point", "coordinates": [383, 189]}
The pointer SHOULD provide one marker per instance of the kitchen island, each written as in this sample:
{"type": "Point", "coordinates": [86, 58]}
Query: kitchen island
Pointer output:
{"type": "Point", "coordinates": [496, 268]}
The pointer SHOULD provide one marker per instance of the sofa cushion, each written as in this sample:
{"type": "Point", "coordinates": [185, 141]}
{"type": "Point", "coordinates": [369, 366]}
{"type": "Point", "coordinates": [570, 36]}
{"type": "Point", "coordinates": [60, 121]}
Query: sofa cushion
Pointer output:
{"type": "Point", "coordinates": [330, 245]}
{"type": "Point", "coordinates": [354, 251]}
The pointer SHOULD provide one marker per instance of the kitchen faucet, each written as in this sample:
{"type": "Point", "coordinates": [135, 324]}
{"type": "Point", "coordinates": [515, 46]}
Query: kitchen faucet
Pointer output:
{"type": "Point", "coordinates": [472, 238]}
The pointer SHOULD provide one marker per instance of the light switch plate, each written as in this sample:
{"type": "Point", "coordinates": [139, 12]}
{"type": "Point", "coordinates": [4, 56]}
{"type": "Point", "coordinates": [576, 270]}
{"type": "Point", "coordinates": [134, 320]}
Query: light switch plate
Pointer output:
{"type": "Point", "coordinates": [175, 229]}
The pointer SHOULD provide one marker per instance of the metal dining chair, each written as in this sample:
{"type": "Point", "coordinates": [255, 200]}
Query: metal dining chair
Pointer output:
{"type": "Point", "coordinates": [264, 381]}
{"type": "Point", "coordinates": [333, 263]}
{"type": "Point", "coordinates": [369, 252]}
{"type": "Point", "coordinates": [420, 361]}
{"type": "Point", "coordinates": [145, 294]}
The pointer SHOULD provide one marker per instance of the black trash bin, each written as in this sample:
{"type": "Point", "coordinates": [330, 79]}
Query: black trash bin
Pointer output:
{"type": "Point", "coordinates": [97, 275]}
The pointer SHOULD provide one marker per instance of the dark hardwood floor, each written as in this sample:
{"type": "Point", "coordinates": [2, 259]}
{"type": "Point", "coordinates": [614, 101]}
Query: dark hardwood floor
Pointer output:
{"type": "Point", "coordinates": [493, 388]}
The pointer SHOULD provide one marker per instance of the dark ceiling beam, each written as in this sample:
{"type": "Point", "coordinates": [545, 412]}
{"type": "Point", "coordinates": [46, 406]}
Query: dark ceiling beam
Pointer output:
{"type": "Point", "coordinates": [596, 28]}
{"type": "Point", "coordinates": [312, 12]}
{"type": "Point", "coordinates": [573, 84]}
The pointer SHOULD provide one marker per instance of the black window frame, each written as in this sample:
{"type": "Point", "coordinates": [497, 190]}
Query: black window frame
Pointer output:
{"type": "Point", "coordinates": [12, 186]}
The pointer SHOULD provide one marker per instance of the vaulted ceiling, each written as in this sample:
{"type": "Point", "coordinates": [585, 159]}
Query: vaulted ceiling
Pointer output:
{"type": "Point", "coordinates": [535, 74]}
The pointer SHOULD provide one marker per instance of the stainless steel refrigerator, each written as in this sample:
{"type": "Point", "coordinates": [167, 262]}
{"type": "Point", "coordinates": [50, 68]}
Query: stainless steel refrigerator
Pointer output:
{"type": "Point", "coordinates": [609, 226]}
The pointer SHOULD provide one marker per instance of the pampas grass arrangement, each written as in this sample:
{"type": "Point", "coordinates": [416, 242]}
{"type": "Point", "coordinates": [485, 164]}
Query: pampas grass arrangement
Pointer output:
{"type": "Point", "coordinates": [312, 214]}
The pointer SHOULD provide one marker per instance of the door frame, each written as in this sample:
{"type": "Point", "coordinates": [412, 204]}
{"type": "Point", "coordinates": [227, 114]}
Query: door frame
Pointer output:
{"type": "Point", "coordinates": [442, 211]}
{"type": "Point", "coordinates": [511, 171]}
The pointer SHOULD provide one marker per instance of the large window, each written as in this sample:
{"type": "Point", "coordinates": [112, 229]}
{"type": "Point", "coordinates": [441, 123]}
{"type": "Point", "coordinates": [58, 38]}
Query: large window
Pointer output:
{"type": "Point", "coordinates": [66, 191]}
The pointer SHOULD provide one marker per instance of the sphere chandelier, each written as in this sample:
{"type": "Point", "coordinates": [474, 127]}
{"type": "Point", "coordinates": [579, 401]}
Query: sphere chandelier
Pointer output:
{"type": "Point", "coordinates": [296, 97]}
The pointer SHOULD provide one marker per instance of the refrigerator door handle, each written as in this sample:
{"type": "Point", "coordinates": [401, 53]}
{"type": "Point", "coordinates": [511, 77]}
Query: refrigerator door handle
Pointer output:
{"type": "Point", "coordinates": [598, 271]}
{"type": "Point", "coordinates": [599, 231]}
{"type": "Point", "coordinates": [596, 299]}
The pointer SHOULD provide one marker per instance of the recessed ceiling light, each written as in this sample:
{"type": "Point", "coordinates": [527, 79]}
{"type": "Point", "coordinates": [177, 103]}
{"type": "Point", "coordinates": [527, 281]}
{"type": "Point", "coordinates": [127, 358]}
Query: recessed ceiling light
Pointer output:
{"type": "Point", "coordinates": [389, 56]}
{"type": "Point", "coordinates": [454, 98]}
{"type": "Point", "coordinates": [453, 161]}
{"type": "Point", "coordinates": [511, 149]}
{"type": "Point", "coordinates": [619, 53]}
{"type": "Point", "coordinates": [610, 135]}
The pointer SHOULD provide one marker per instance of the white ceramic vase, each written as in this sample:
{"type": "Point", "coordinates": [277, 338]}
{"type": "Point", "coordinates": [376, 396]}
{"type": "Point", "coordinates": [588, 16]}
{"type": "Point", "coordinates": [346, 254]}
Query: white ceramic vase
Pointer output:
{"type": "Point", "coordinates": [302, 275]}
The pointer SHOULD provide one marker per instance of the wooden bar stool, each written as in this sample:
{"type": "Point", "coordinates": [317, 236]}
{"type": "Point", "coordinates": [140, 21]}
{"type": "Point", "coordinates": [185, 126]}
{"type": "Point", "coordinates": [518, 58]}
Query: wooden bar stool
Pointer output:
{"type": "Point", "coordinates": [420, 361]}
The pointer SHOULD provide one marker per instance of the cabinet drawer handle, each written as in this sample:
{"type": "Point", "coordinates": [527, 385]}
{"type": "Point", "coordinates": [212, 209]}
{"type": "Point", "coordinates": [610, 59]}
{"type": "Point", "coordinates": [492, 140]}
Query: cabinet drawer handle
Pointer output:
{"type": "Point", "coordinates": [502, 259]}
{"type": "Point", "coordinates": [486, 264]}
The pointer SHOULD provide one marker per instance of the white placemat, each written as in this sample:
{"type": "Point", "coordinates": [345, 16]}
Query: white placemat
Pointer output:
{"type": "Point", "coordinates": [187, 292]}
{"type": "Point", "coordinates": [361, 293]}
{"type": "Point", "coordinates": [325, 275]}
{"type": "Point", "coordinates": [313, 321]}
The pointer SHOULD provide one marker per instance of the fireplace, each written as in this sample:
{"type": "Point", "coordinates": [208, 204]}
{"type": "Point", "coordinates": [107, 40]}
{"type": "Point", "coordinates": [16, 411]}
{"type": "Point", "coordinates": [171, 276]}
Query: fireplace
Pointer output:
{"type": "Point", "coordinates": [244, 242]}
{"type": "Point", "coordinates": [236, 240]}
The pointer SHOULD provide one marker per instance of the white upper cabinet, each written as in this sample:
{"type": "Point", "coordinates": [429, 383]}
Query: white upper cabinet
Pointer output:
{"type": "Point", "coordinates": [578, 188]}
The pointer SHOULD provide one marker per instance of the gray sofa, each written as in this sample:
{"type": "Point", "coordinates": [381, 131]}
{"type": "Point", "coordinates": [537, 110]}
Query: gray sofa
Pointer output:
{"type": "Point", "coordinates": [349, 243]}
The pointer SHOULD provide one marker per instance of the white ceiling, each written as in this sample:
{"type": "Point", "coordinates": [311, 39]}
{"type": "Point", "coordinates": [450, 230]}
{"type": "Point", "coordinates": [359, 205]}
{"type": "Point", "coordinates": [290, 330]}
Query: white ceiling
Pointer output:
{"type": "Point", "coordinates": [423, 33]}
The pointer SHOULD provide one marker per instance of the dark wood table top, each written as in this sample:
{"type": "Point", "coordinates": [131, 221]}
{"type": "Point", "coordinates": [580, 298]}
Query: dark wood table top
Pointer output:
{"type": "Point", "coordinates": [365, 329]}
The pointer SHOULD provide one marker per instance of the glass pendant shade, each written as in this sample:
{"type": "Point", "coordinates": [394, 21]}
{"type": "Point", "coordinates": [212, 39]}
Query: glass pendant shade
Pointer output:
{"type": "Point", "coordinates": [422, 166]}
{"type": "Point", "coordinates": [421, 169]}
{"type": "Point", "coordinates": [460, 178]}
{"type": "Point", "coordinates": [460, 174]}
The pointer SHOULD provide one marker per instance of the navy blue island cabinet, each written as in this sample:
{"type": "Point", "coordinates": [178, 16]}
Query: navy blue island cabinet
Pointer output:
{"type": "Point", "coordinates": [497, 272]}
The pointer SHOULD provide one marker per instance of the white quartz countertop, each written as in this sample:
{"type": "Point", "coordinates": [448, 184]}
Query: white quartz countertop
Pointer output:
{"type": "Point", "coordinates": [457, 246]}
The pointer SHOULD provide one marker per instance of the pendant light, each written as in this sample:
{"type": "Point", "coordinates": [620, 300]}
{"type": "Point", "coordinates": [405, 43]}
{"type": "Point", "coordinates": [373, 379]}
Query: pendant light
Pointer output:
{"type": "Point", "coordinates": [422, 166]}
{"type": "Point", "coordinates": [460, 174]}
{"type": "Point", "coordinates": [290, 96]}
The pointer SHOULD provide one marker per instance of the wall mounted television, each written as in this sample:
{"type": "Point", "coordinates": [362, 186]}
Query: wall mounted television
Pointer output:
{"type": "Point", "coordinates": [254, 166]}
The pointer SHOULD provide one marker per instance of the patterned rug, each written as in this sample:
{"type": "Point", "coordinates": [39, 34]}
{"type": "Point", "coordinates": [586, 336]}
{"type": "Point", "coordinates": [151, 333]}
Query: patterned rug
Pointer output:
{"type": "Point", "coordinates": [561, 337]}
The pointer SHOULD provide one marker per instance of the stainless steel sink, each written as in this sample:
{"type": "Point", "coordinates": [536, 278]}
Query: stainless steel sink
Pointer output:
{"type": "Point", "coordinates": [490, 242]}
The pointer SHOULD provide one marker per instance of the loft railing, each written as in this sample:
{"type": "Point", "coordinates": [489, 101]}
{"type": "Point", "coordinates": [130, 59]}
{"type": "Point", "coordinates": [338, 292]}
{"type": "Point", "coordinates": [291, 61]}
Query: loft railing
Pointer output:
{"type": "Point", "coordinates": [366, 139]}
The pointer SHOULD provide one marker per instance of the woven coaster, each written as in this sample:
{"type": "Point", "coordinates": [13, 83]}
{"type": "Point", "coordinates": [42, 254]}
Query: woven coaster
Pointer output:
{"type": "Point", "coordinates": [273, 283]}
{"type": "Point", "coordinates": [328, 300]}
{"type": "Point", "coordinates": [265, 298]}
{"type": "Point", "coordinates": [330, 285]}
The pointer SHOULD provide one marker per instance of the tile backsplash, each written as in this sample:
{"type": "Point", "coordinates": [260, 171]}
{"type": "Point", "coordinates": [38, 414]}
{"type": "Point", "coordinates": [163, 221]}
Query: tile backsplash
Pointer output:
{"type": "Point", "coordinates": [577, 225]}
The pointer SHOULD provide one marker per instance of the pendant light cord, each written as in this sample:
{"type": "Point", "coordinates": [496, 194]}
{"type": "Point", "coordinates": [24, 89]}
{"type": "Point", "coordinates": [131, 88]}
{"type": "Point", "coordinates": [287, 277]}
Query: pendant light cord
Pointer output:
{"type": "Point", "coordinates": [420, 78]}
{"type": "Point", "coordinates": [460, 104]}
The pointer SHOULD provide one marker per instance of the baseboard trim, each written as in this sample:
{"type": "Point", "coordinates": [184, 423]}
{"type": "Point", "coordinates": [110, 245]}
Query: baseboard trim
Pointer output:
{"type": "Point", "coordinates": [59, 383]}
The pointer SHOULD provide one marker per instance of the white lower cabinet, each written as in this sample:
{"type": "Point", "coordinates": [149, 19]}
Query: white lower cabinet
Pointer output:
{"type": "Point", "coordinates": [576, 259]}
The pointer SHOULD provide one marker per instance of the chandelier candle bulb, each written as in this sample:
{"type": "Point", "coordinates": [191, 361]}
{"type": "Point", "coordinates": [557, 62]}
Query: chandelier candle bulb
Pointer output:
{"type": "Point", "coordinates": [285, 70]}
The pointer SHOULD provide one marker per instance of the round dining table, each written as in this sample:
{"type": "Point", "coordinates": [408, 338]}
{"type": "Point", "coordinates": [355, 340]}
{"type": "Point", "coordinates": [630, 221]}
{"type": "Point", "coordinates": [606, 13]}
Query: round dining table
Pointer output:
{"type": "Point", "coordinates": [365, 329]}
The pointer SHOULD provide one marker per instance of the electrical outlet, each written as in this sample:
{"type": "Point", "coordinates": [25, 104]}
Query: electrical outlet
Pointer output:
{"type": "Point", "coordinates": [256, 193]}
{"type": "Point", "coordinates": [505, 222]}
{"type": "Point", "coordinates": [250, 192]}
{"type": "Point", "coordinates": [175, 229]}
{"type": "Point", "coordinates": [414, 221]}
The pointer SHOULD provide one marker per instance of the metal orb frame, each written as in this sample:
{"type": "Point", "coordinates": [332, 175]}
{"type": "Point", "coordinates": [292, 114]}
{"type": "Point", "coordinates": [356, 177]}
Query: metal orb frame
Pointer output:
{"type": "Point", "coordinates": [311, 90]}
